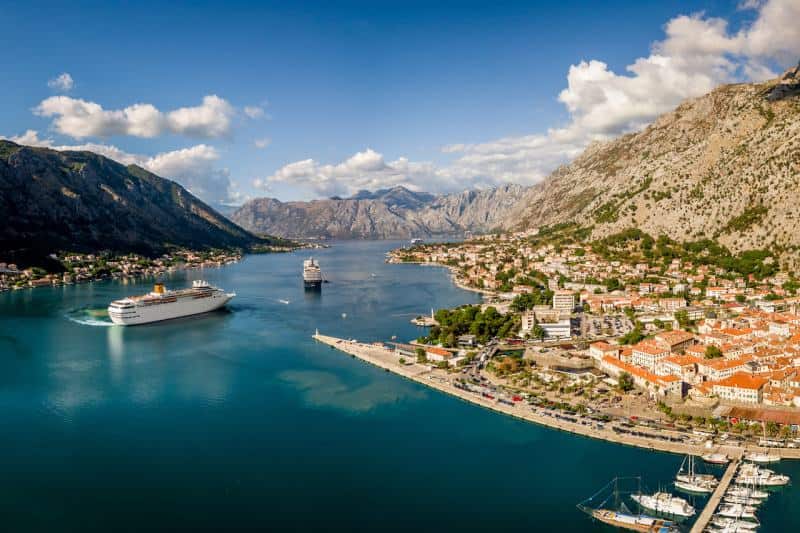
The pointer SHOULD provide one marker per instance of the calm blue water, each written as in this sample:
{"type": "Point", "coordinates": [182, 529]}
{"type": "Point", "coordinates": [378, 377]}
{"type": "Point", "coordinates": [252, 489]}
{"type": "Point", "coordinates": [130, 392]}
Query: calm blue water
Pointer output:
{"type": "Point", "coordinates": [237, 420]}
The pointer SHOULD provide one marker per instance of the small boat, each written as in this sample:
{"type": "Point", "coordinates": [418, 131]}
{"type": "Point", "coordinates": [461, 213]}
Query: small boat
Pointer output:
{"type": "Point", "coordinates": [344, 315]}
{"type": "Point", "coordinates": [733, 524]}
{"type": "Point", "coordinates": [285, 302]}
{"type": "Point", "coordinates": [736, 510]}
{"type": "Point", "coordinates": [690, 481]}
{"type": "Point", "coordinates": [716, 458]}
{"type": "Point", "coordinates": [742, 499]}
{"type": "Point", "coordinates": [747, 492]}
{"type": "Point", "coordinates": [763, 479]}
{"type": "Point", "coordinates": [761, 458]}
{"type": "Point", "coordinates": [664, 502]}
{"type": "Point", "coordinates": [694, 487]}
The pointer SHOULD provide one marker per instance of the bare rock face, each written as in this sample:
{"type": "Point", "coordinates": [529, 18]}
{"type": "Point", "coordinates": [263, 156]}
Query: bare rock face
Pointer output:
{"type": "Point", "coordinates": [81, 201]}
{"type": "Point", "coordinates": [724, 166]}
{"type": "Point", "coordinates": [396, 213]}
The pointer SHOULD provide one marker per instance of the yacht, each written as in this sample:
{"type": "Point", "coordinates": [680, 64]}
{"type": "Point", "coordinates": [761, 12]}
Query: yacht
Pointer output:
{"type": "Point", "coordinates": [762, 478]}
{"type": "Point", "coordinates": [690, 481]}
{"type": "Point", "coordinates": [162, 304]}
{"type": "Point", "coordinates": [761, 458]}
{"type": "Point", "coordinates": [664, 502]}
{"type": "Point", "coordinates": [736, 510]}
{"type": "Point", "coordinates": [733, 524]}
{"type": "Point", "coordinates": [716, 458]}
{"type": "Point", "coordinates": [645, 524]}
{"type": "Point", "coordinates": [747, 492]}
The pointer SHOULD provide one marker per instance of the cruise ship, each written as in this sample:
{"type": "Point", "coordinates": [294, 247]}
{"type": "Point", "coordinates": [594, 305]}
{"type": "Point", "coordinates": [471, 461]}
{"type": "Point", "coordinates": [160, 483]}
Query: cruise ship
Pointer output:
{"type": "Point", "coordinates": [312, 274]}
{"type": "Point", "coordinates": [162, 304]}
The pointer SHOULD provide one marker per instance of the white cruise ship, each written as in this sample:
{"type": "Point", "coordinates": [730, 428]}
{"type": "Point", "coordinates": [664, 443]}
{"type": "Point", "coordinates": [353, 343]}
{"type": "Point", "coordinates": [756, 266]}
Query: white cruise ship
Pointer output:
{"type": "Point", "coordinates": [162, 304]}
{"type": "Point", "coordinates": [663, 502]}
{"type": "Point", "coordinates": [312, 274]}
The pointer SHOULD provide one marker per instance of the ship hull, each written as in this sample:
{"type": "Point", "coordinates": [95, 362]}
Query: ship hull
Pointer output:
{"type": "Point", "coordinates": [161, 312]}
{"type": "Point", "coordinates": [314, 285]}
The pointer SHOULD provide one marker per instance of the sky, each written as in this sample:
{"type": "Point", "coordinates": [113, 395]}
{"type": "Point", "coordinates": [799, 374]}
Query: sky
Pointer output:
{"type": "Point", "coordinates": [303, 100]}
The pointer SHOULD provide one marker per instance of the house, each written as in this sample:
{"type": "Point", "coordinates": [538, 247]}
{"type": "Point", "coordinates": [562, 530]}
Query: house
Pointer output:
{"type": "Point", "coordinates": [683, 366]}
{"type": "Point", "coordinates": [647, 354]}
{"type": "Point", "coordinates": [675, 341]}
{"type": "Point", "coordinates": [437, 355]}
{"type": "Point", "coordinates": [467, 340]}
{"type": "Point", "coordinates": [600, 349]}
{"type": "Point", "coordinates": [718, 369]}
{"type": "Point", "coordinates": [740, 387]}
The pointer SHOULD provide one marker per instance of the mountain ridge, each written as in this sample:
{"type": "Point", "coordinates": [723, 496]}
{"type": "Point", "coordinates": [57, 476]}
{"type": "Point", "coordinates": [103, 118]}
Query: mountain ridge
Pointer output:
{"type": "Point", "coordinates": [81, 201]}
{"type": "Point", "coordinates": [394, 213]}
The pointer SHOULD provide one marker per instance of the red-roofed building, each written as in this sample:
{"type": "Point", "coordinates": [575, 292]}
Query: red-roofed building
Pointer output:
{"type": "Point", "coordinates": [647, 354]}
{"type": "Point", "coordinates": [740, 387]}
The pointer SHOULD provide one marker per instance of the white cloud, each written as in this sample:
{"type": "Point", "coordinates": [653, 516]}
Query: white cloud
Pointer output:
{"type": "Point", "coordinates": [697, 54]}
{"type": "Point", "coordinates": [79, 118]}
{"type": "Point", "coordinates": [194, 167]}
{"type": "Point", "coordinates": [62, 82]}
{"type": "Point", "coordinates": [254, 111]}
{"type": "Point", "coordinates": [262, 143]}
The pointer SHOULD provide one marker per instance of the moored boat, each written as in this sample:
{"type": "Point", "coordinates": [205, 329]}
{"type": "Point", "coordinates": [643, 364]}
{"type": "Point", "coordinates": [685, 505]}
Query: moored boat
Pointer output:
{"type": "Point", "coordinates": [733, 524]}
{"type": "Point", "coordinates": [663, 502]}
{"type": "Point", "coordinates": [716, 458]}
{"type": "Point", "coordinates": [736, 510]}
{"type": "Point", "coordinates": [761, 457]}
{"type": "Point", "coordinates": [643, 523]}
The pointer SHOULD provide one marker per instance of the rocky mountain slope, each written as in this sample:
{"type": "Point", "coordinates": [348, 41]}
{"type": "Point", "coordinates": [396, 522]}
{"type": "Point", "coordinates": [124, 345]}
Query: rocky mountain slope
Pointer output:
{"type": "Point", "coordinates": [396, 213]}
{"type": "Point", "coordinates": [81, 201]}
{"type": "Point", "coordinates": [724, 166]}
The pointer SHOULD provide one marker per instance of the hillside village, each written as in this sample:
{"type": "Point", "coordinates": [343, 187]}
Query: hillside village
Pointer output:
{"type": "Point", "coordinates": [689, 333]}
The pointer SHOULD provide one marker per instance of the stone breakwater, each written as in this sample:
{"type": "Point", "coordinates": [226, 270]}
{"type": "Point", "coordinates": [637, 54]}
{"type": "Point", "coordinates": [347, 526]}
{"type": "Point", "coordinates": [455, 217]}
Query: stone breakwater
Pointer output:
{"type": "Point", "coordinates": [439, 380]}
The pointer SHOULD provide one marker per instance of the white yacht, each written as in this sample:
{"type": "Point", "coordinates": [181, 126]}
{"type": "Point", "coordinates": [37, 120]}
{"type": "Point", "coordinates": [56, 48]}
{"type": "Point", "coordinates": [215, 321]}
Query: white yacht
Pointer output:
{"type": "Point", "coordinates": [736, 510]}
{"type": "Point", "coordinates": [664, 502]}
{"type": "Point", "coordinates": [747, 492]}
{"type": "Point", "coordinates": [162, 304]}
{"type": "Point", "coordinates": [716, 458]}
{"type": "Point", "coordinates": [690, 481]}
{"type": "Point", "coordinates": [762, 478]}
{"type": "Point", "coordinates": [761, 457]}
{"type": "Point", "coordinates": [732, 524]}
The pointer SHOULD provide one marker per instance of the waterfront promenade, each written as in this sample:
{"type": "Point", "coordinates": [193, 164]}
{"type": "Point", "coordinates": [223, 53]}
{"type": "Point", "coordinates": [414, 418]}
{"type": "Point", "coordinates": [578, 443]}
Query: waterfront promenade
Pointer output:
{"type": "Point", "coordinates": [440, 380]}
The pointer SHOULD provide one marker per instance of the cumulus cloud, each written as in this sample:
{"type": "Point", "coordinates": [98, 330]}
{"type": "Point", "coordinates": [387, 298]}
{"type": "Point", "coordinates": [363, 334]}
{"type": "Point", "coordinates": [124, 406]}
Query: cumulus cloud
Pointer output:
{"type": "Point", "coordinates": [62, 82]}
{"type": "Point", "coordinates": [79, 118]}
{"type": "Point", "coordinates": [697, 54]}
{"type": "Point", "coordinates": [195, 167]}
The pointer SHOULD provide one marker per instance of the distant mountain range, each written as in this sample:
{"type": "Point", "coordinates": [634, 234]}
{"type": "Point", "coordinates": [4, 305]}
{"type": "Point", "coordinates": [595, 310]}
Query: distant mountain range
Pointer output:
{"type": "Point", "coordinates": [81, 201]}
{"type": "Point", "coordinates": [396, 213]}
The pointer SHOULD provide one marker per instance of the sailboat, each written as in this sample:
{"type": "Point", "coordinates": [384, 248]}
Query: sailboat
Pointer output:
{"type": "Point", "coordinates": [623, 518]}
{"type": "Point", "coordinates": [689, 481]}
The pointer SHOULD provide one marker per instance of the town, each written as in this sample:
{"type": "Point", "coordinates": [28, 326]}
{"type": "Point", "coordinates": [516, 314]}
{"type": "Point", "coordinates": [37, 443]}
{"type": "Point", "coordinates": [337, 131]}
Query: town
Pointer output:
{"type": "Point", "coordinates": [677, 337]}
{"type": "Point", "coordinates": [80, 268]}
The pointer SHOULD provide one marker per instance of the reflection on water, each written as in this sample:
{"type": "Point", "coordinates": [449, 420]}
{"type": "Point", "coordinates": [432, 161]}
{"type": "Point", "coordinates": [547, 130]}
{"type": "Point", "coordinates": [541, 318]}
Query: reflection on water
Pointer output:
{"type": "Point", "coordinates": [325, 389]}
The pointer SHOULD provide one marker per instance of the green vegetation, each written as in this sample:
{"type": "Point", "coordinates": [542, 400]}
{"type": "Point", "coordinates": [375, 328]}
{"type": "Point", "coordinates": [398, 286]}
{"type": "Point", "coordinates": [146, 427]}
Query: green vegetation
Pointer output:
{"type": "Point", "coordinates": [633, 336]}
{"type": "Point", "coordinates": [713, 352]}
{"type": "Point", "coordinates": [485, 325]}
{"type": "Point", "coordinates": [625, 382]}
{"type": "Point", "coordinates": [634, 245]}
{"type": "Point", "coordinates": [747, 218]}
{"type": "Point", "coordinates": [526, 301]}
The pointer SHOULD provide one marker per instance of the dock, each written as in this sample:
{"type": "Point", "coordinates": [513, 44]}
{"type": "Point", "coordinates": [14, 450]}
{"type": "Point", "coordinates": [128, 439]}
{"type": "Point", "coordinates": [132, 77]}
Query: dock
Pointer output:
{"type": "Point", "coordinates": [713, 502]}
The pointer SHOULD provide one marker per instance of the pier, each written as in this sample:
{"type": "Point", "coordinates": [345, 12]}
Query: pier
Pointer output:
{"type": "Point", "coordinates": [713, 502]}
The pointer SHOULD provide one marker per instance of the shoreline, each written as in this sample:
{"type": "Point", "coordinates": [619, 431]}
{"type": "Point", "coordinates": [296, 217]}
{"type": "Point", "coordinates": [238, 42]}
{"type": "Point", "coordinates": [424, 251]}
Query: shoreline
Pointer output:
{"type": "Point", "coordinates": [453, 275]}
{"type": "Point", "coordinates": [434, 379]}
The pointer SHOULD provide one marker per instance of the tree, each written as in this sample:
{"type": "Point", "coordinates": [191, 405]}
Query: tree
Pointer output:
{"type": "Point", "coordinates": [713, 352]}
{"type": "Point", "coordinates": [625, 382]}
{"type": "Point", "coordinates": [683, 318]}
{"type": "Point", "coordinates": [538, 332]}
{"type": "Point", "coordinates": [421, 357]}
{"type": "Point", "coordinates": [740, 298]}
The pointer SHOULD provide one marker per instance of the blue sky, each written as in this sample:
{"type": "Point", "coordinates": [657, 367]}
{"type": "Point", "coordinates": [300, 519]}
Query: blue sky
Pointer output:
{"type": "Point", "coordinates": [345, 95]}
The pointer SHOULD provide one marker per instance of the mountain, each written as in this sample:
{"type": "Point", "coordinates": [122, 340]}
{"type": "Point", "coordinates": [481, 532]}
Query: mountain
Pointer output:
{"type": "Point", "coordinates": [723, 166]}
{"type": "Point", "coordinates": [81, 201]}
{"type": "Point", "coordinates": [395, 213]}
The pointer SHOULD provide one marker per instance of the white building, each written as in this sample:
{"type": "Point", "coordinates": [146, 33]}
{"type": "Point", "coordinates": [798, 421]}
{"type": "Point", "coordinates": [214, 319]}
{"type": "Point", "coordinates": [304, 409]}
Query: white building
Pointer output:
{"type": "Point", "coordinates": [564, 301]}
